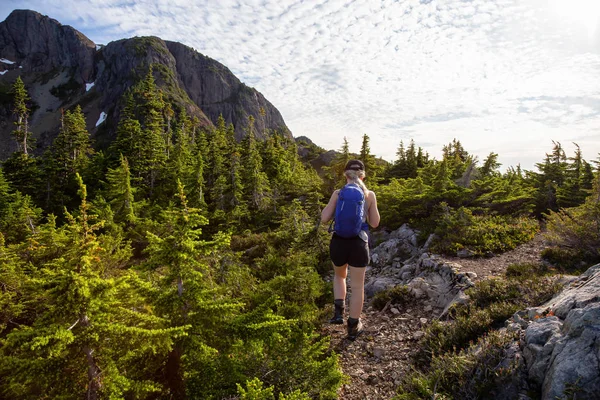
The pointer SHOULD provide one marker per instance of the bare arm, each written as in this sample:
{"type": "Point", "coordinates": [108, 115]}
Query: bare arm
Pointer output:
{"type": "Point", "coordinates": [373, 213]}
{"type": "Point", "coordinates": [329, 210]}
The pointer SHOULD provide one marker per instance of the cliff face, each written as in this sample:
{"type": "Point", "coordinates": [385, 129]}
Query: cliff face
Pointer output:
{"type": "Point", "coordinates": [62, 68]}
{"type": "Point", "coordinates": [218, 92]}
{"type": "Point", "coordinates": [120, 64]}
{"type": "Point", "coordinates": [40, 44]}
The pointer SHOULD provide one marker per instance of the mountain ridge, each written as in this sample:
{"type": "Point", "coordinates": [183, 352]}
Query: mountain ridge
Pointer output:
{"type": "Point", "coordinates": [61, 67]}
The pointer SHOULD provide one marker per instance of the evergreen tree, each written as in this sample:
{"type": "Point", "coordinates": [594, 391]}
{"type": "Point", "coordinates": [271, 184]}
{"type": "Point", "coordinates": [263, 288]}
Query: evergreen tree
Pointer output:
{"type": "Point", "coordinates": [408, 161]}
{"type": "Point", "coordinates": [18, 215]}
{"type": "Point", "coordinates": [145, 137]}
{"type": "Point", "coordinates": [573, 233]}
{"type": "Point", "coordinates": [236, 194]}
{"type": "Point", "coordinates": [365, 153]}
{"type": "Point", "coordinates": [25, 175]}
{"type": "Point", "coordinates": [334, 174]}
{"type": "Point", "coordinates": [69, 155]}
{"type": "Point", "coordinates": [217, 173]}
{"type": "Point", "coordinates": [399, 167]}
{"type": "Point", "coordinates": [22, 170]}
{"type": "Point", "coordinates": [121, 193]}
{"type": "Point", "coordinates": [187, 297]}
{"type": "Point", "coordinates": [86, 338]}
{"type": "Point", "coordinates": [506, 194]}
{"type": "Point", "coordinates": [21, 111]}
{"type": "Point", "coordinates": [256, 183]}
{"type": "Point", "coordinates": [276, 162]}
{"type": "Point", "coordinates": [412, 161]}
{"type": "Point", "coordinates": [550, 178]}
{"type": "Point", "coordinates": [345, 151]}
{"type": "Point", "coordinates": [587, 178]}
{"type": "Point", "coordinates": [199, 165]}
{"type": "Point", "coordinates": [457, 159]}
{"type": "Point", "coordinates": [168, 115]}
{"type": "Point", "coordinates": [13, 280]}
{"type": "Point", "coordinates": [181, 162]}
{"type": "Point", "coordinates": [153, 144]}
{"type": "Point", "coordinates": [573, 191]}
{"type": "Point", "coordinates": [128, 142]}
{"type": "Point", "coordinates": [490, 166]}
{"type": "Point", "coordinates": [422, 159]}
{"type": "Point", "coordinates": [442, 179]}
{"type": "Point", "coordinates": [277, 166]}
{"type": "Point", "coordinates": [371, 167]}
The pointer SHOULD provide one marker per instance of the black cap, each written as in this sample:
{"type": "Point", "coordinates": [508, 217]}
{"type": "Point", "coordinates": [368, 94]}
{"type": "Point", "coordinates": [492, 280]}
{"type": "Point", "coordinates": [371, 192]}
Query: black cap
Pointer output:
{"type": "Point", "coordinates": [355, 165]}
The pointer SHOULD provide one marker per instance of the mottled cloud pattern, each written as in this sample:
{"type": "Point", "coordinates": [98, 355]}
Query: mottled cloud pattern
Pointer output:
{"type": "Point", "coordinates": [507, 76]}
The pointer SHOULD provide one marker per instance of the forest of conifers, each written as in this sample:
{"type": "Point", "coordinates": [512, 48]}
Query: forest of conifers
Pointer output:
{"type": "Point", "coordinates": [178, 263]}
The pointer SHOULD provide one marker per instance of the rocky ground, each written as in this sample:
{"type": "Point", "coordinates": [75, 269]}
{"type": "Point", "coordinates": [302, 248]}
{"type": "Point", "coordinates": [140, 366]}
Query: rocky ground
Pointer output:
{"type": "Point", "coordinates": [376, 360]}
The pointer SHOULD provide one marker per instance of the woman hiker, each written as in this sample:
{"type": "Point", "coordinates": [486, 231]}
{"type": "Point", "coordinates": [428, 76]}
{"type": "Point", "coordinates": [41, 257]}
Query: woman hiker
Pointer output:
{"type": "Point", "coordinates": [349, 249]}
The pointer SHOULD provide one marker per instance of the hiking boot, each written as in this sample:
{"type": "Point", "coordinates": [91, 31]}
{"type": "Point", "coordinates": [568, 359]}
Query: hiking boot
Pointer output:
{"type": "Point", "coordinates": [338, 314]}
{"type": "Point", "coordinates": [355, 328]}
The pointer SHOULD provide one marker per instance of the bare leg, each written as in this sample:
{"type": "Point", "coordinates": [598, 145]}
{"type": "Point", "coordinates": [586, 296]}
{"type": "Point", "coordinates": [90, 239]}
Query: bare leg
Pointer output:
{"type": "Point", "coordinates": [339, 282]}
{"type": "Point", "coordinates": [357, 282]}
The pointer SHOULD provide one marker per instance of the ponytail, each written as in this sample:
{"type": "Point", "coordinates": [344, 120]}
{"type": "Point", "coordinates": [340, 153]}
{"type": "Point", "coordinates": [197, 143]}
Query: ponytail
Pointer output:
{"type": "Point", "coordinates": [355, 177]}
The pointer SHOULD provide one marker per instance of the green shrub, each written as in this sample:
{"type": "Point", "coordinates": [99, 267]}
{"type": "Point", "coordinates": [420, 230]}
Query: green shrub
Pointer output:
{"type": "Point", "coordinates": [491, 303]}
{"type": "Point", "coordinates": [397, 295]}
{"type": "Point", "coordinates": [452, 336]}
{"type": "Point", "coordinates": [468, 374]}
{"type": "Point", "coordinates": [534, 290]}
{"type": "Point", "coordinates": [566, 259]}
{"type": "Point", "coordinates": [527, 270]}
{"type": "Point", "coordinates": [573, 234]}
{"type": "Point", "coordinates": [482, 234]}
{"type": "Point", "coordinates": [489, 291]}
{"type": "Point", "coordinates": [254, 391]}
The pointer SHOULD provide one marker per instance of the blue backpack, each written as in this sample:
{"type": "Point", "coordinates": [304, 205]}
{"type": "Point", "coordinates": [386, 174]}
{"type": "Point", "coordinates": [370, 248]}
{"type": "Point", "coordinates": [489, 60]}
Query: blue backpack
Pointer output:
{"type": "Point", "coordinates": [349, 211]}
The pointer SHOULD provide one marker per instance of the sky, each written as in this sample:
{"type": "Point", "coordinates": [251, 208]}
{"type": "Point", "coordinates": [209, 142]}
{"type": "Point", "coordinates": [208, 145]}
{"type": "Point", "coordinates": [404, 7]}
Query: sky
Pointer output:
{"type": "Point", "coordinates": [503, 76]}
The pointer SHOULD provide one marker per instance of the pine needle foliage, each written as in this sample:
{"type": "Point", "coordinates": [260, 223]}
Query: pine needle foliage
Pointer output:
{"type": "Point", "coordinates": [84, 340]}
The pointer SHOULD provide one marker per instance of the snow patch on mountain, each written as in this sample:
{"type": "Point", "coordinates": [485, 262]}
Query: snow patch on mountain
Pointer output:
{"type": "Point", "coordinates": [102, 118]}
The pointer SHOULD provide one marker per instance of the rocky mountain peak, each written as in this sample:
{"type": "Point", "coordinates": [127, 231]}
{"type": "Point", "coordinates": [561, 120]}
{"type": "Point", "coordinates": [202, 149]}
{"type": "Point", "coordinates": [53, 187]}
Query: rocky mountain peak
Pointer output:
{"type": "Point", "coordinates": [40, 44]}
{"type": "Point", "coordinates": [61, 68]}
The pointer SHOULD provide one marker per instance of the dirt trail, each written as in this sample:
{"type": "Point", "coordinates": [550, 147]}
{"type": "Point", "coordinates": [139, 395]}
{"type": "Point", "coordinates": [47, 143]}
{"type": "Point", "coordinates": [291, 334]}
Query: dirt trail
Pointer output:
{"type": "Point", "coordinates": [377, 359]}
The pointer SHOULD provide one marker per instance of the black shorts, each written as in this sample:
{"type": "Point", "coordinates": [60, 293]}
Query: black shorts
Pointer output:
{"type": "Point", "coordinates": [353, 251]}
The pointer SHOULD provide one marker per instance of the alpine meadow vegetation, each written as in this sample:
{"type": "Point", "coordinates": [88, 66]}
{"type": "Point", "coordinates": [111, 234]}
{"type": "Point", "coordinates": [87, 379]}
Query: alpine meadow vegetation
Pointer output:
{"type": "Point", "coordinates": [180, 263]}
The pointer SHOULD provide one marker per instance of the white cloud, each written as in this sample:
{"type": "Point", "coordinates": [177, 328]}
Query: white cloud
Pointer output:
{"type": "Point", "coordinates": [500, 75]}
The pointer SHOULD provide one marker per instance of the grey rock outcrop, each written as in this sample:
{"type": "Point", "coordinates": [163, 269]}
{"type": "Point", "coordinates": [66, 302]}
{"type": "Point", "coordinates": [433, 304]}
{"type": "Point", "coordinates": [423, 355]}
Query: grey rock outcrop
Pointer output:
{"type": "Point", "coordinates": [399, 260]}
{"type": "Point", "coordinates": [560, 341]}
{"type": "Point", "coordinates": [562, 351]}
